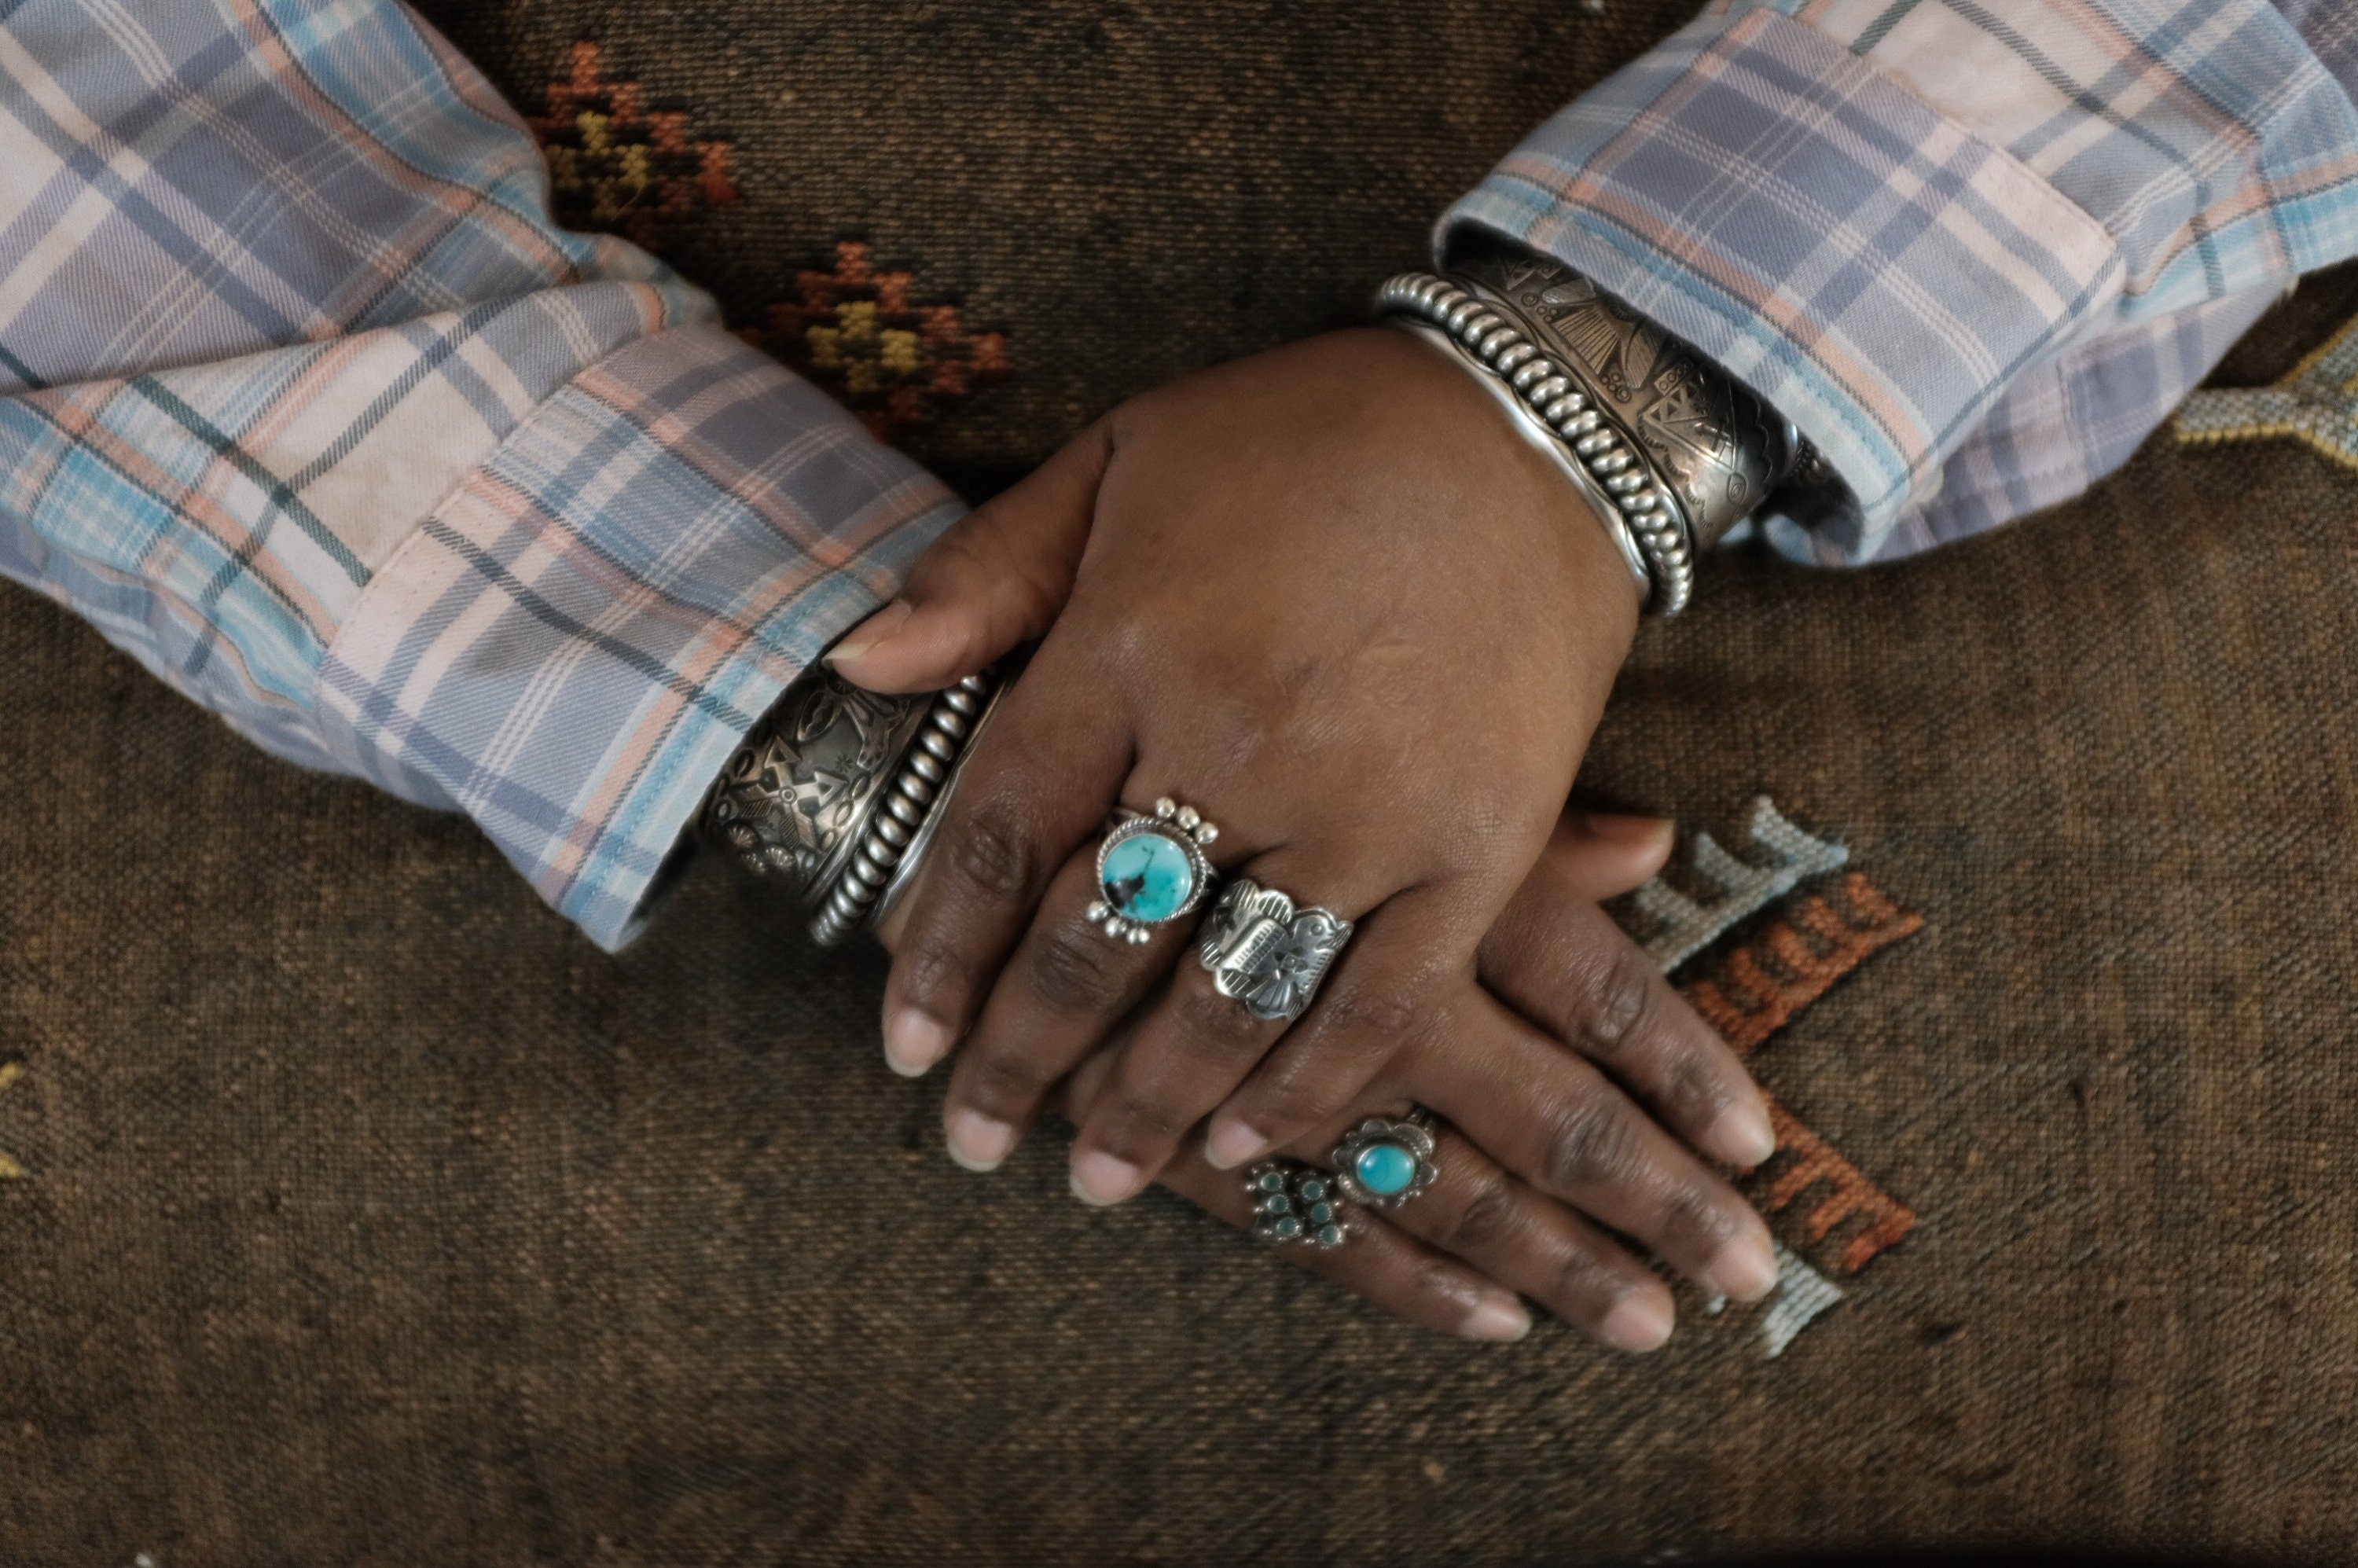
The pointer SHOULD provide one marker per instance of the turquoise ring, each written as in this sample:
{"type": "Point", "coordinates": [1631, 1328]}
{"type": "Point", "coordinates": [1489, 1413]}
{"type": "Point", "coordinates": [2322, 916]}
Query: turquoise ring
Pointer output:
{"type": "Point", "coordinates": [1152, 871]}
{"type": "Point", "coordinates": [1383, 1163]}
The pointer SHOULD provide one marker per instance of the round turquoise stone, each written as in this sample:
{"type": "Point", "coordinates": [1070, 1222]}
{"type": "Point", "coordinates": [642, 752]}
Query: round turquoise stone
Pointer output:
{"type": "Point", "coordinates": [1385, 1169]}
{"type": "Point", "coordinates": [1147, 878]}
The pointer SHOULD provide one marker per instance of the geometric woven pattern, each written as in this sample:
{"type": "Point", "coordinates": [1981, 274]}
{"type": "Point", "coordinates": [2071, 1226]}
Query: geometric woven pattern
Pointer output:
{"type": "Point", "coordinates": [2316, 404]}
{"type": "Point", "coordinates": [855, 330]}
{"type": "Point", "coordinates": [614, 167]}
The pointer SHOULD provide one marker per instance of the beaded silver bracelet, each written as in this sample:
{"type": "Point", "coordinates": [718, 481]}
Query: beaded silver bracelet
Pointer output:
{"type": "Point", "coordinates": [1636, 502]}
{"type": "Point", "coordinates": [836, 789]}
{"type": "Point", "coordinates": [1684, 450]}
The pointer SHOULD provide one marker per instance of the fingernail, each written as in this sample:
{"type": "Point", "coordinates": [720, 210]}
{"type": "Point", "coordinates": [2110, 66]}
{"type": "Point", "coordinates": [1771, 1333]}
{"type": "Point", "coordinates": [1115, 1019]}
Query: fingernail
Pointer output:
{"type": "Point", "coordinates": [913, 1042]}
{"type": "Point", "coordinates": [1745, 1268]}
{"type": "Point", "coordinates": [1231, 1144]}
{"type": "Point", "coordinates": [1639, 1323]}
{"type": "Point", "coordinates": [1624, 829]}
{"type": "Point", "coordinates": [1102, 1180]}
{"type": "Point", "coordinates": [979, 1142]}
{"type": "Point", "coordinates": [869, 632]}
{"type": "Point", "coordinates": [1741, 1135]}
{"type": "Point", "coordinates": [1495, 1315]}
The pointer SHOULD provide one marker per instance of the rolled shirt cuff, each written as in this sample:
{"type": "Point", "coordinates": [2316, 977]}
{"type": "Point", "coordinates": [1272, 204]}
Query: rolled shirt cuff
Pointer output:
{"type": "Point", "coordinates": [1874, 269]}
{"type": "Point", "coordinates": [573, 643]}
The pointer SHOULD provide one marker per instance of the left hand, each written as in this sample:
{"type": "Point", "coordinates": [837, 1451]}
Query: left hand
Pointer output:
{"type": "Point", "coordinates": [1330, 597]}
{"type": "Point", "coordinates": [1536, 1138]}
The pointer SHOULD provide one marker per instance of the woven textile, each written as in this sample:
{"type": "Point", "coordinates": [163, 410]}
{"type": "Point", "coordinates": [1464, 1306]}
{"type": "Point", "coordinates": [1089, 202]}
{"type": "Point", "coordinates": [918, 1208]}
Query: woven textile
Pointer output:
{"type": "Point", "coordinates": [367, 1215]}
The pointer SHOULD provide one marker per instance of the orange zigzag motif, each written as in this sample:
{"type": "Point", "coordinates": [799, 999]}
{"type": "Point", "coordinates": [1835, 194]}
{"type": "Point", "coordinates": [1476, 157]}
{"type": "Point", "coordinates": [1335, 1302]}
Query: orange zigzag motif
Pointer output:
{"type": "Point", "coordinates": [1797, 960]}
{"type": "Point", "coordinates": [1814, 1161]}
{"type": "Point", "coordinates": [1758, 990]}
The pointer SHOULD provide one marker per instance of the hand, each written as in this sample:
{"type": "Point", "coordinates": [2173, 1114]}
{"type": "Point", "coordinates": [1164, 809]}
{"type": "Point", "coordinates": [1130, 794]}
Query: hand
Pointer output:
{"type": "Point", "coordinates": [1457, 1258]}
{"type": "Point", "coordinates": [1328, 595]}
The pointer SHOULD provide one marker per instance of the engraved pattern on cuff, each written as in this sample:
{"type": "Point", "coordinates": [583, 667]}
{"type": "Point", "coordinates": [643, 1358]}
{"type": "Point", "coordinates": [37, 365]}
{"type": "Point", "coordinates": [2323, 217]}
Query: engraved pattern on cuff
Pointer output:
{"type": "Point", "coordinates": [1638, 501]}
{"type": "Point", "coordinates": [834, 788]}
{"type": "Point", "coordinates": [1721, 450]}
{"type": "Point", "coordinates": [901, 814]}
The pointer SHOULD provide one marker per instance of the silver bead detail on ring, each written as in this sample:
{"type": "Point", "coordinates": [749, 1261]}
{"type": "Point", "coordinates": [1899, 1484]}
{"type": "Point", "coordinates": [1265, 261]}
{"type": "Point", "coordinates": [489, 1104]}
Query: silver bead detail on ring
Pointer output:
{"type": "Point", "coordinates": [1152, 871]}
{"type": "Point", "coordinates": [1296, 1202]}
{"type": "Point", "coordinates": [1267, 954]}
{"type": "Point", "coordinates": [1385, 1164]}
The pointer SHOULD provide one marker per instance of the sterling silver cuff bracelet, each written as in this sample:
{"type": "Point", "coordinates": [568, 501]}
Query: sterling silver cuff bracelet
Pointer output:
{"type": "Point", "coordinates": [835, 790]}
{"type": "Point", "coordinates": [1682, 451]}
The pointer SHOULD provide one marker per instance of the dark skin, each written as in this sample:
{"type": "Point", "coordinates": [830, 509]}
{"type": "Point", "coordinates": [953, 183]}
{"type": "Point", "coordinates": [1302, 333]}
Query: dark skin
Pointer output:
{"type": "Point", "coordinates": [1331, 597]}
{"type": "Point", "coordinates": [1465, 1254]}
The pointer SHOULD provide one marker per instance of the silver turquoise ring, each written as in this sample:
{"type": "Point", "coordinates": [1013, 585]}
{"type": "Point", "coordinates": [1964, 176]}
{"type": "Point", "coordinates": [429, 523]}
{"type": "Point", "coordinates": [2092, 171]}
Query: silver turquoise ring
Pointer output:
{"type": "Point", "coordinates": [1385, 1164]}
{"type": "Point", "coordinates": [1294, 1203]}
{"type": "Point", "coordinates": [1152, 871]}
{"type": "Point", "coordinates": [1268, 954]}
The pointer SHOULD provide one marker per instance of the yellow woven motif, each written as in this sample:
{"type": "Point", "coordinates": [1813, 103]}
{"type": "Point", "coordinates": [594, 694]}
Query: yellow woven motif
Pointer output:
{"type": "Point", "coordinates": [10, 1170]}
{"type": "Point", "coordinates": [854, 330]}
{"type": "Point", "coordinates": [614, 166]}
{"type": "Point", "coordinates": [2317, 403]}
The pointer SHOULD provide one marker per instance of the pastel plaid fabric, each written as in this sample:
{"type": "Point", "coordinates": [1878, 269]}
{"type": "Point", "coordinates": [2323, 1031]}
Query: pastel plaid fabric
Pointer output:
{"type": "Point", "coordinates": [307, 404]}
{"type": "Point", "coordinates": [1976, 252]}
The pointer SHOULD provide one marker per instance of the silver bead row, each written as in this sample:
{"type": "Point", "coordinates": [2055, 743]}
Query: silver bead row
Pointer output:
{"type": "Point", "coordinates": [1558, 397]}
{"type": "Point", "coordinates": [901, 814]}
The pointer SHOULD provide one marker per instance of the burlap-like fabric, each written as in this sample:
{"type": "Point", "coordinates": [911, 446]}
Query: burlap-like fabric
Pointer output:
{"type": "Point", "coordinates": [368, 1216]}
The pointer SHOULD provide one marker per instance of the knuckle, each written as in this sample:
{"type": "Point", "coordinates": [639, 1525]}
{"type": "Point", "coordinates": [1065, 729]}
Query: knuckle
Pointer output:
{"type": "Point", "coordinates": [1073, 969]}
{"type": "Point", "coordinates": [1590, 1144]}
{"type": "Point", "coordinates": [1620, 1008]}
{"type": "Point", "coordinates": [1693, 1089]}
{"type": "Point", "coordinates": [1134, 1115]}
{"type": "Point", "coordinates": [1590, 1281]}
{"type": "Point", "coordinates": [994, 853]}
{"type": "Point", "coordinates": [1697, 1219]}
{"type": "Point", "coordinates": [1488, 1217]}
{"type": "Point", "coordinates": [998, 1080]}
{"type": "Point", "coordinates": [1381, 1015]}
{"type": "Point", "coordinates": [1208, 1016]}
{"type": "Point", "coordinates": [936, 974]}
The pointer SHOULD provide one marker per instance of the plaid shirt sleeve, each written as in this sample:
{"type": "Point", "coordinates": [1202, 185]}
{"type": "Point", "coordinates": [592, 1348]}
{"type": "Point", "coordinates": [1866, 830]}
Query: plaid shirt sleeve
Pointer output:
{"type": "Point", "coordinates": [307, 404]}
{"type": "Point", "coordinates": [1975, 251]}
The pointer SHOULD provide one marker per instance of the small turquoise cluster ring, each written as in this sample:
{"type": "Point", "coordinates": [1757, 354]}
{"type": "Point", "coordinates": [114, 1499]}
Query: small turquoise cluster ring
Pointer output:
{"type": "Point", "coordinates": [1380, 1163]}
{"type": "Point", "coordinates": [1152, 871]}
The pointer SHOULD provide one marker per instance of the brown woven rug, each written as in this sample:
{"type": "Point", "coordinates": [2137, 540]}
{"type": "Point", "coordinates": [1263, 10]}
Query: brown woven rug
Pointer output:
{"type": "Point", "coordinates": [362, 1214]}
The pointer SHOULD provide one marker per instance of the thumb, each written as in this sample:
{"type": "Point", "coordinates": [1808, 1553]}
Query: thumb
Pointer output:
{"type": "Point", "coordinates": [996, 579]}
{"type": "Point", "coordinates": [1603, 855]}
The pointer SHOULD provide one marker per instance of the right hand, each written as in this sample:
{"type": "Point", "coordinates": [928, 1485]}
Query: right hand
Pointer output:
{"type": "Point", "coordinates": [1544, 1075]}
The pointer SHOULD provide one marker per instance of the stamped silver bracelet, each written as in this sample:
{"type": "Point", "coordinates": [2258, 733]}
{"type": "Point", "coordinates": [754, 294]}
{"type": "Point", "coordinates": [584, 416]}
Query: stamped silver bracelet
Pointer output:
{"type": "Point", "coordinates": [833, 794]}
{"type": "Point", "coordinates": [1682, 451]}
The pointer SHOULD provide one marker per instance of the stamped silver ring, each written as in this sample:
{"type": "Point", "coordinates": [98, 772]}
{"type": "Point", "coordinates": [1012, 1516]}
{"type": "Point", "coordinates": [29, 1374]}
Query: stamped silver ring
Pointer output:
{"type": "Point", "coordinates": [1268, 954]}
{"type": "Point", "coordinates": [1384, 1163]}
{"type": "Point", "coordinates": [1152, 871]}
{"type": "Point", "coordinates": [1295, 1203]}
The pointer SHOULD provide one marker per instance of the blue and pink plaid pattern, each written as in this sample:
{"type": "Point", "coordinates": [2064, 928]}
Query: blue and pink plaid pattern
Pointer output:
{"type": "Point", "coordinates": [1976, 249]}
{"type": "Point", "coordinates": [307, 403]}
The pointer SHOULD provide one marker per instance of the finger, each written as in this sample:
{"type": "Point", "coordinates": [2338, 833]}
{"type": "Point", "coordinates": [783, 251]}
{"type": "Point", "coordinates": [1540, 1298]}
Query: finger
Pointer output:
{"type": "Point", "coordinates": [1378, 999]}
{"type": "Point", "coordinates": [1561, 962]}
{"type": "Point", "coordinates": [996, 579]}
{"type": "Point", "coordinates": [1557, 1122]}
{"type": "Point", "coordinates": [1036, 784]}
{"type": "Point", "coordinates": [1064, 992]}
{"type": "Point", "coordinates": [1602, 854]}
{"type": "Point", "coordinates": [1403, 1277]}
{"type": "Point", "coordinates": [1528, 1242]}
{"type": "Point", "coordinates": [1195, 1045]}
